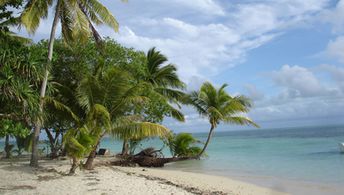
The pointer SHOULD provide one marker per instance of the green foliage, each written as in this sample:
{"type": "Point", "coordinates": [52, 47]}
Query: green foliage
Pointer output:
{"type": "Point", "coordinates": [76, 17]}
{"type": "Point", "coordinates": [12, 128]}
{"type": "Point", "coordinates": [183, 145]}
{"type": "Point", "coordinates": [19, 77]}
{"type": "Point", "coordinates": [78, 142]}
{"type": "Point", "coordinates": [162, 87]}
{"type": "Point", "coordinates": [218, 106]}
{"type": "Point", "coordinates": [23, 144]}
{"type": "Point", "coordinates": [139, 130]}
{"type": "Point", "coordinates": [7, 20]}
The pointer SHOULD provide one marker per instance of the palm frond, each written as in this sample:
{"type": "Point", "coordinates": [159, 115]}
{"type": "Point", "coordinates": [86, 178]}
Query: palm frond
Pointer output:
{"type": "Point", "coordinates": [95, 8]}
{"type": "Point", "coordinates": [60, 106]}
{"type": "Point", "coordinates": [138, 130]}
{"type": "Point", "coordinates": [33, 12]}
{"type": "Point", "coordinates": [240, 120]}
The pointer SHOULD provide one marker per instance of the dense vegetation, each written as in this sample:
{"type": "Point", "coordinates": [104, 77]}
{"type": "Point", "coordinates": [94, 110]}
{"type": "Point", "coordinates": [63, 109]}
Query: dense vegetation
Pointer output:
{"type": "Point", "coordinates": [78, 93]}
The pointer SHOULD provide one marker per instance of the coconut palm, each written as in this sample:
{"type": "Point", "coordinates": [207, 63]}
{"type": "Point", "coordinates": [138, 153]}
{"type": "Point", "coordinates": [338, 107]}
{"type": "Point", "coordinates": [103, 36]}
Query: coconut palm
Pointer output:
{"type": "Point", "coordinates": [218, 106]}
{"type": "Point", "coordinates": [110, 93]}
{"type": "Point", "coordinates": [183, 145]}
{"type": "Point", "coordinates": [76, 17]}
{"type": "Point", "coordinates": [77, 143]}
{"type": "Point", "coordinates": [164, 78]}
{"type": "Point", "coordinates": [164, 85]}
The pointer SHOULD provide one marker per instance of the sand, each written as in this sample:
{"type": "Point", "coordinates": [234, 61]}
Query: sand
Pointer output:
{"type": "Point", "coordinates": [16, 177]}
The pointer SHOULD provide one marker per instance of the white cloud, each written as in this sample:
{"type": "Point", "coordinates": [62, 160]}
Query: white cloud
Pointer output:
{"type": "Point", "coordinates": [337, 74]}
{"type": "Point", "coordinates": [335, 17]}
{"type": "Point", "coordinates": [206, 6]}
{"type": "Point", "coordinates": [204, 37]}
{"type": "Point", "coordinates": [198, 50]}
{"type": "Point", "coordinates": [303, 95]}
{"type": "Point", "coordinates": [254, 19]}
{"type": "Point", "coordinates": [297, 81]}
{"type": "Point", "coordinates": [335, 48]}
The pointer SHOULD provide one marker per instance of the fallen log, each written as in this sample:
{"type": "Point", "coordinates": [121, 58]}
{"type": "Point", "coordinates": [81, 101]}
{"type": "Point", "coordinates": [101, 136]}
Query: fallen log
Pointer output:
{"type": "Point", "coordinates": [148, 158]}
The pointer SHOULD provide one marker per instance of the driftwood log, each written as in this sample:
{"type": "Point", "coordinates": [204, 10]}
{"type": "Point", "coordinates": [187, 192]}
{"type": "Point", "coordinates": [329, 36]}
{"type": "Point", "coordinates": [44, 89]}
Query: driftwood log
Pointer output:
{"type": "Point", "coordinates": [148, 158]}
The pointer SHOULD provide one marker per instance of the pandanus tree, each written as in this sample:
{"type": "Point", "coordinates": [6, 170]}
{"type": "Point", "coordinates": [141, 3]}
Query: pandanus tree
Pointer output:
{"type": "Point", "coordinates": [218, 106]}
{"type": "Point", "coordinates": [18, 95]}
{"type": "Point", "coordinates": [76, 18]}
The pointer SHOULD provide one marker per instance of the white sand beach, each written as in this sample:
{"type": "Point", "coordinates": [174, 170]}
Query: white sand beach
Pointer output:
{"type": "Point", "coordinates": [18, 178]}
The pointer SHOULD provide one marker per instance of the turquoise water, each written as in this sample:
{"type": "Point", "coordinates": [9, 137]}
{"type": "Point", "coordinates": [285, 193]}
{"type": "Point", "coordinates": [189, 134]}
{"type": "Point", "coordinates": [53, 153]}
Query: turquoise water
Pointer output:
{"type": "Point", "coordinates": [308, 154]}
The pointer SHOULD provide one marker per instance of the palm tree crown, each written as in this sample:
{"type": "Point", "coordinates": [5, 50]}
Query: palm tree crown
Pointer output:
{"type": "Point", "coordinates": [218, 106]}
{"type": "Point", "coordinates": [76, 16]}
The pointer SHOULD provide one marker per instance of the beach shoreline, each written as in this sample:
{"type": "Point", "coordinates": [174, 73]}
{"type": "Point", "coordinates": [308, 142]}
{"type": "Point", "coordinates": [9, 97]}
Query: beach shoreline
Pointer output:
{"type": "Point", "coordinates": [18, 178]}
{"type": "Point", "coordinates": [282, 184]}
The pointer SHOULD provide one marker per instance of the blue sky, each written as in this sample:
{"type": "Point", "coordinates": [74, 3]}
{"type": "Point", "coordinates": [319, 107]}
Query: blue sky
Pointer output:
{"type": "Point", "coordinates": [287, 55]}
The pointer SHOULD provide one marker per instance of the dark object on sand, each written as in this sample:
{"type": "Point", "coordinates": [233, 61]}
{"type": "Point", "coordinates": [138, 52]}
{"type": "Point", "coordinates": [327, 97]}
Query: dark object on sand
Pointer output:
{"type": "Point", "coordinates": [103, 152]}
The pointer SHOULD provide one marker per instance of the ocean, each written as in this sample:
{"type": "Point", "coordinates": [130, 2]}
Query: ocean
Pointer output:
{"type": "Point", "coordinates": [268, 157]}
{"type": "Point", "coordinates": [300, 160]}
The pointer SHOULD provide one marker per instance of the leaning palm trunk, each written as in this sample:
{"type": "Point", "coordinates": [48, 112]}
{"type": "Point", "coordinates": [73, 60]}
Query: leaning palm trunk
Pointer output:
{"type": "Point", "coordinates": [75, 165]}
{"type": "Point", "coordinates": [39, 122]}
{"type": "Point", "coordinates": [89, 163]}
{"type": "Point", "coordinates": [207, 142]}
{"type": "Point", "coordinates": [90, 159]}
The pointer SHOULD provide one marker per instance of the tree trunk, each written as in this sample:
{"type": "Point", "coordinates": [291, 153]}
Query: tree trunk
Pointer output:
{"type": "Point", "coordinates": [75, 165]}
{"type": "Point", "coordinates": [39, 122]}
{"type": "Point", "coordinates": [207, 142]}
{"type": "Point", "coordinates": [125, 148]}
{"type": "Point", "coordinates": [7, 147]}
{"type": "Point", "coordinates": [89, 163]}
{"type": "Point", "coordinates": [90, 159]}
{"type": "Point", "coordinates": [52, 143]}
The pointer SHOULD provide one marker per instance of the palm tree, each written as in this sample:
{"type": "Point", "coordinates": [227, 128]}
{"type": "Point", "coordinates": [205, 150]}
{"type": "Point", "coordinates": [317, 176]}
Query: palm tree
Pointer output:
{"type": "Point", "coordinates": [77, 143]}
{"type": "Point", "coordinates": [162, 77]}
{"type": "Point", "coordinates": [218, 106]}
{"type": "Point", "coordinates": [163, 84]}
{"type": "Point", "coordinates": [107, 98]}
{"type": "Point", "coordinates": [76, 17]}
{"type": "Point", "coordinates": [183, 145]}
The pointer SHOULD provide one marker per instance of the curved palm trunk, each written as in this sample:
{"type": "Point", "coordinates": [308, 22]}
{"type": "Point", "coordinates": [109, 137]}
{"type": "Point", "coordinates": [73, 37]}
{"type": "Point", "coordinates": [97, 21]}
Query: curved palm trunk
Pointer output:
{"type": "Point", "coordinates": [206, 143]}
{"type": "Point", "coordinates": [39, 122]}
{"type": "Point", "coordinates": [89, 163]}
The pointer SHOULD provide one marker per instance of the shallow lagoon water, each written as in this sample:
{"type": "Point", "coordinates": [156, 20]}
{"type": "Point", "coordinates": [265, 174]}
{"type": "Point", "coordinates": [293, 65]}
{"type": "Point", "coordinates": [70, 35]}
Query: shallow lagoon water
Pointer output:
{"type": "Point", "coordinates": [308, 154]}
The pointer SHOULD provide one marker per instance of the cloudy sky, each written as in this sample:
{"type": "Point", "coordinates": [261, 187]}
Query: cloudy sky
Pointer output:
{"type": "Point", "coordinates": [287, 55]}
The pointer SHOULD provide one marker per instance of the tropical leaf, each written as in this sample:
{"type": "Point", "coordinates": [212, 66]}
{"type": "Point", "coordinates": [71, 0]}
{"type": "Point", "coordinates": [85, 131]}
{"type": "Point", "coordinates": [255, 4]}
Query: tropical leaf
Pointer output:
{"type": "Point", "coordinates": [34, 11]}
{"type": "Point", "coordinates": [137, 130]}
{"type": "Point", "coordinates": [60, 106]}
